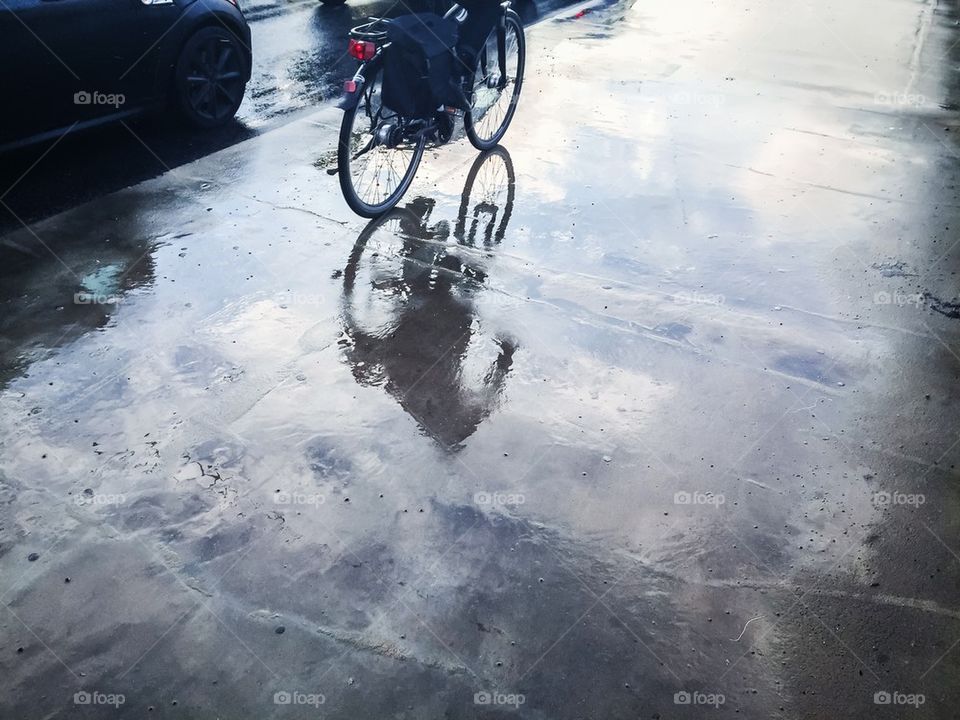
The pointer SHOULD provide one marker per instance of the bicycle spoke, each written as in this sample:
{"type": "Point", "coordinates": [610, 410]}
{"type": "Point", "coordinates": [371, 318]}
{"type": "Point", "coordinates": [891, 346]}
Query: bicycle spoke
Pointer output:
{"type": "Point", "coordinates": [491, 106]}
{"type": "Point", "coordinates": [376, 169]}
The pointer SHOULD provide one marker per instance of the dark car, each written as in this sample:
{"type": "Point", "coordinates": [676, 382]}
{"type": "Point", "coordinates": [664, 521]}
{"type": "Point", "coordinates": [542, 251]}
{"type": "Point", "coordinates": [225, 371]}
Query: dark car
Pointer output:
{"type": "Point", "coordinates": [69, 64]}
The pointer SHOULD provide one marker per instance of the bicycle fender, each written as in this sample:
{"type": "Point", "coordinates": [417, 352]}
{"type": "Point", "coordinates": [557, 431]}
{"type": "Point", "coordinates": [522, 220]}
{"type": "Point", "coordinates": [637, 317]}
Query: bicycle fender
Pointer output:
{"type": "Point", "coordinates": [350, 99]}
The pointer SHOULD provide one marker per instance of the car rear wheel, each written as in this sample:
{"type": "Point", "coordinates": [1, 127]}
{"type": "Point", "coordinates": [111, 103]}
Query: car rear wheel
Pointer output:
{"type": "Point", "coordinates": [210, 77]}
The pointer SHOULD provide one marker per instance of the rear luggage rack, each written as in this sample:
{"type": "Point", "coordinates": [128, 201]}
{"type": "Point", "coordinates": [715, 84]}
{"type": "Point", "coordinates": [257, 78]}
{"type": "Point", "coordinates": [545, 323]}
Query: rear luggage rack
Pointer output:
{"type": "Point", "coordinates": [374, 31]}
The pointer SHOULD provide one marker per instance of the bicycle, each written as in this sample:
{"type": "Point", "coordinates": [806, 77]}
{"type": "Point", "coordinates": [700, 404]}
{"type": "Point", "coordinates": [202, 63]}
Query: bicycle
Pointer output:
{"type": "Point", "coordinates": [380, 148]}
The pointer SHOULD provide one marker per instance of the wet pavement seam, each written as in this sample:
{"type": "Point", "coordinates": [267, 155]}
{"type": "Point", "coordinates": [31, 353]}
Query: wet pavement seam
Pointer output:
{"type": "Point", "coordinates": [797, 601]}
{"type": "Point", "coordinates": [200, 603]}
{"type": "Point", "coordinates": [398, 599]}
{"type": "Point", "coordinates": [598, 600]}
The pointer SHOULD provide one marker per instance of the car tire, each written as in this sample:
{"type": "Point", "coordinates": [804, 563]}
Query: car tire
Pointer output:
{"type": "Point", "coordinates": [210, 77]}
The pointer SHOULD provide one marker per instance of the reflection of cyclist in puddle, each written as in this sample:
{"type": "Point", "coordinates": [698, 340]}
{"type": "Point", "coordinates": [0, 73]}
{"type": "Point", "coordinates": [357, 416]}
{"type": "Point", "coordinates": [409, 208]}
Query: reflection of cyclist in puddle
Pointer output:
{"type": "Point", "coordinates": [408, 305]}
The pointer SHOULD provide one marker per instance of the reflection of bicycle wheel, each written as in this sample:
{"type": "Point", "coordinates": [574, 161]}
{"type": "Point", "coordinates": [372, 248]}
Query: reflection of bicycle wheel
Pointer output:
{"type": "Point", "coordinates": [392, 222]}
{"type": "Point", "coordinates": [410, 324]}
{"type": "Point", "coordinates": [386, 265]}
{"type": "Point", "coordinates": [487, 198]}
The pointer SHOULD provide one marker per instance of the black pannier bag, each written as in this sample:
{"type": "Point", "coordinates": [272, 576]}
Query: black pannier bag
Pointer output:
{"type": "Point", "coordinates": [419, 64]}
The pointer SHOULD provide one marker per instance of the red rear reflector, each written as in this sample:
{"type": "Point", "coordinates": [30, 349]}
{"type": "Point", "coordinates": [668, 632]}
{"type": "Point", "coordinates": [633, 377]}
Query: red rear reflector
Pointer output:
{"type": "Point", "coordinates": [350, 86]}
{"type": "Point", "coordinates": [362, 49]}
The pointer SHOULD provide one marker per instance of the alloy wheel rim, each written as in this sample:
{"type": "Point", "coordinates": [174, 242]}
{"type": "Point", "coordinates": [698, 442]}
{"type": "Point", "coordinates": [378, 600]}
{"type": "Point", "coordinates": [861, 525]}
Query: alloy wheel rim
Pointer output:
{"type": "Point", "coordinates": [214, 79]}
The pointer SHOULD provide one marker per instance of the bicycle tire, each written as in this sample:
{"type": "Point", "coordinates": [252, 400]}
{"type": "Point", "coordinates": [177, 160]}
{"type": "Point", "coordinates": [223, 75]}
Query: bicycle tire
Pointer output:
{"type": "Point", "coordinates": [512, 24]}
{"type": "Point", "coordinates": [372, 73]}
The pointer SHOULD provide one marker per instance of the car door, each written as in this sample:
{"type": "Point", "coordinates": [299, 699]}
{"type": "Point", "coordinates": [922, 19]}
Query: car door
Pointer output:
{"type": "Point", "coordinates": [113, 47]}
{"type": "Point", "coordinates": [33, 75]}
{"type": "Point", "coordinates": [127, 36]}
{"type": "Point", "coordinates": [92, 58]}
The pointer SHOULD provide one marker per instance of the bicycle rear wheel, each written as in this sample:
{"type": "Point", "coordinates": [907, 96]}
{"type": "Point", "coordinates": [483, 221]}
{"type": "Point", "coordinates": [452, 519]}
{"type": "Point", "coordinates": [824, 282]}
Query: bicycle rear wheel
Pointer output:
{"type": "Point", "coordinates": [494, 94]}
{"type": "Point", "coordinates": [377, 157]}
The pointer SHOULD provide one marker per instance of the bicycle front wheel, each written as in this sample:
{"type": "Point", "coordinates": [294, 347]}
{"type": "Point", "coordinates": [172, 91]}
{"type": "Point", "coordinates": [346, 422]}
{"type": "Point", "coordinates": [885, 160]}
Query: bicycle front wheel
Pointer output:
{"type": "Point", "coordinates": [495, 84]}
{"type": "Point", "coordinates": [377, 157]}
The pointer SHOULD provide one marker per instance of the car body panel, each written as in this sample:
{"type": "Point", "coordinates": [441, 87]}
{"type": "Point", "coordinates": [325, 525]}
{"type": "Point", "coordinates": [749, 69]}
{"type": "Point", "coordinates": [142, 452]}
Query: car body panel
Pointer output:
{"type": "Point", "coordinates": [71, 64]}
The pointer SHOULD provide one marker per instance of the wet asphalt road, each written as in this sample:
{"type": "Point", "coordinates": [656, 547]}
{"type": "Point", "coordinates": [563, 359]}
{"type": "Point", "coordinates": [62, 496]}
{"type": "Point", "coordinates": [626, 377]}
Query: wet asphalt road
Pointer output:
{"type": "Point", "coordinates": [652, 413]}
